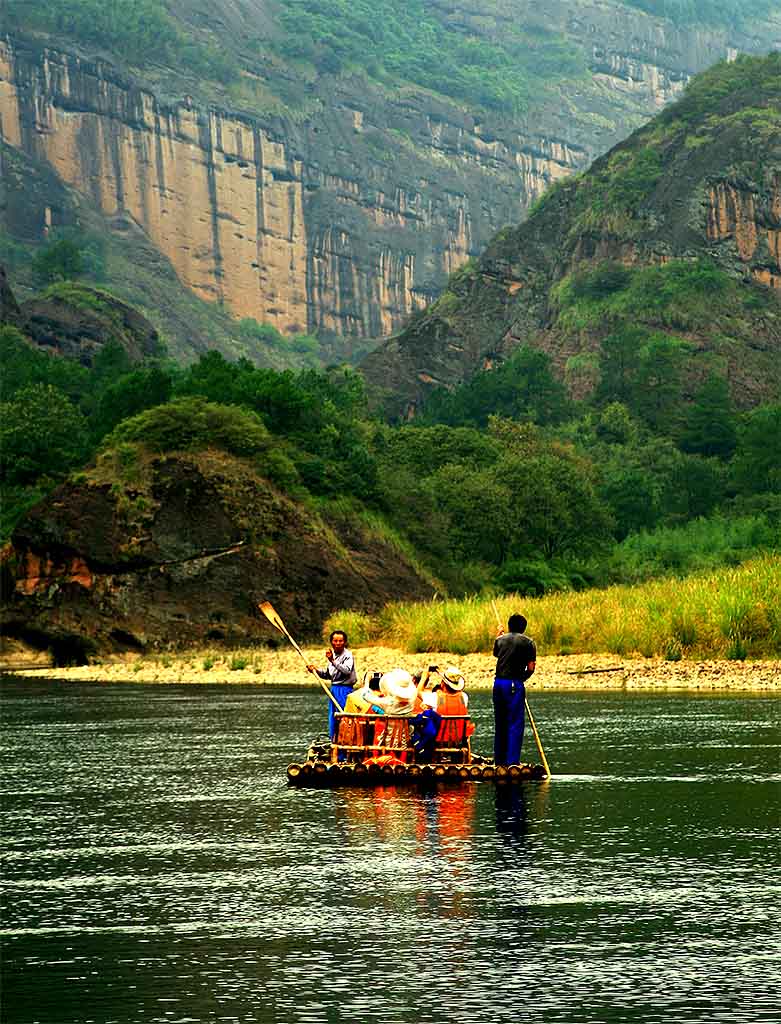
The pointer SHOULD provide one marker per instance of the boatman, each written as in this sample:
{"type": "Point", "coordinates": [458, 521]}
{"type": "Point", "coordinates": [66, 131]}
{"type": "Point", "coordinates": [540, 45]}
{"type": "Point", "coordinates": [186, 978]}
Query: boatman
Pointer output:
{"type": "Point", "coordinates": [340, 670]}
{"type": "Point", "coordinates": [516, 659]}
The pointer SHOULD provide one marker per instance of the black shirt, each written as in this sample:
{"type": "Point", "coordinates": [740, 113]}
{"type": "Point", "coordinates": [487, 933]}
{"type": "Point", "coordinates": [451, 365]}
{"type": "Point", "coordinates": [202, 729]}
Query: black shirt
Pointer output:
{"type": "Point", "coordinates": [513, 652]}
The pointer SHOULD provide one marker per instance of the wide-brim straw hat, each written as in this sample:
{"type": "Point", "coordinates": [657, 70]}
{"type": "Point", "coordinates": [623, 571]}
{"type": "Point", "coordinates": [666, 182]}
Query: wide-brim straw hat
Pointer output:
{"type": "Point", "coordinates": [453, 679]}
{"type": "Point", "coordinates": [398, 683]}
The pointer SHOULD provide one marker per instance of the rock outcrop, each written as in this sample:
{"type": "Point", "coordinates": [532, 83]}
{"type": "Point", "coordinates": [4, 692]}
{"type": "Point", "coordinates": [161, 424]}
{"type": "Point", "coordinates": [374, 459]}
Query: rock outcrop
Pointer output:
{"type": "Point", "coordinates": [348, 219]}
{"type": "Point", "coordinates": [184, 557]}
{"type": "Point", "coordinates": [79, 324]}
{"type": "Point", "coordinates": [702, 181]}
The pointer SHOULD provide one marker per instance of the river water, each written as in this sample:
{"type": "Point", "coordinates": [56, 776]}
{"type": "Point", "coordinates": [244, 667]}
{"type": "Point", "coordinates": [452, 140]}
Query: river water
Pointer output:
{"type": "Point", "coordinates": [157, 868]}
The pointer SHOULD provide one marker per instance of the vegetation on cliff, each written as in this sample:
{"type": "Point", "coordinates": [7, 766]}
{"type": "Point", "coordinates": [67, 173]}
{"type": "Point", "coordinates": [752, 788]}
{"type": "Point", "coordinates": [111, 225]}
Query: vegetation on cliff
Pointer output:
{"type": "Point", "coordinates": [141, 31]}
{"type": "Point", "coordinates": [501, 60]}
{"type": "Point", "coordinates": [418, 43]}
{"type": "Point", "coordinates": [705, 12]}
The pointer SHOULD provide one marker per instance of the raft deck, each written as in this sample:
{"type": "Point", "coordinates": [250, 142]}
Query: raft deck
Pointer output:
{"type": "Point", "coordinates": [376, 750]}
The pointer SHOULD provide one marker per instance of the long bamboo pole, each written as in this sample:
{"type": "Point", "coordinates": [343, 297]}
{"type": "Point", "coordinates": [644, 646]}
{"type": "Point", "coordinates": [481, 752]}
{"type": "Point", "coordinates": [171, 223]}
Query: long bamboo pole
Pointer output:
{"type": "Point", "coordinates": [537, 739]}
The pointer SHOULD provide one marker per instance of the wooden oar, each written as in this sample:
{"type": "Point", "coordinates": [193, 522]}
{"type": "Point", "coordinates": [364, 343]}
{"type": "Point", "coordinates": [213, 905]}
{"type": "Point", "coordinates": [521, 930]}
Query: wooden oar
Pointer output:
{"type": "Point", "coordinates": [537, 739]}
{"type": "Point", "coordinates": [271, 614]}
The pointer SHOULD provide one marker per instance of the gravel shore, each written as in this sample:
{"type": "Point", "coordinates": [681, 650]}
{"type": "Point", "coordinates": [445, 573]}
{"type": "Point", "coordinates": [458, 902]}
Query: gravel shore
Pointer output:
{"type": "Point", "coordinates": [573, 672]}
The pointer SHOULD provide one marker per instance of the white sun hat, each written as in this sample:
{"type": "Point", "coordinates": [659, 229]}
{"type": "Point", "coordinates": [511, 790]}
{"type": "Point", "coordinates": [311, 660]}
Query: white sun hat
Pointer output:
{"type": "Point", "coordinates": [398, 683]}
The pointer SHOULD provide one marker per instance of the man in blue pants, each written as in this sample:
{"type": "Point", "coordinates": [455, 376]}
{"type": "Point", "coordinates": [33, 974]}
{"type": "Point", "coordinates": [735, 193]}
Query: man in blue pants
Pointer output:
{"type": "Point", "coordinates": [340, 670]}
{"type": "Point", "coordinates": [516, 659]}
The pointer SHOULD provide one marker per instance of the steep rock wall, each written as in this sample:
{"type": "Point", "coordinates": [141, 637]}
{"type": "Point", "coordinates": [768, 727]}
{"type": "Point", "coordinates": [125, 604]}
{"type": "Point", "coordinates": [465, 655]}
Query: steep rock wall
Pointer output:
{"type": "Point", "coordinates": [349, 220]}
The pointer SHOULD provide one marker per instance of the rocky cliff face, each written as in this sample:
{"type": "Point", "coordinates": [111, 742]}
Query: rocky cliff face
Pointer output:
{"type": "Point", "coordinates": [349, 219]}
{"type": "Point", "coordinates": [184, 557]}
{"type": "Point", "coordinates": [700, 182]}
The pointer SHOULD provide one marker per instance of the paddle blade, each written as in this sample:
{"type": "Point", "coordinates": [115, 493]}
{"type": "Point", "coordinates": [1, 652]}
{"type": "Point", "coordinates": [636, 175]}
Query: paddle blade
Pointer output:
{"type": "Point", "coordinates": [268, 610]}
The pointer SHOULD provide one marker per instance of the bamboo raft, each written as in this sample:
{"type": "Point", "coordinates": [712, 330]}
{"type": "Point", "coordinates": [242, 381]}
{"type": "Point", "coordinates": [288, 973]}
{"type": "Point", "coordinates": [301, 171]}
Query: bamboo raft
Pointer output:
{"type": "Point", "coordinates": [355, 763]}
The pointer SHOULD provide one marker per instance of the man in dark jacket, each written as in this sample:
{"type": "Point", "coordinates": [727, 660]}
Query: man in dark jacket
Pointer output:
{"type": "Point", "coordinates": [516, 659]}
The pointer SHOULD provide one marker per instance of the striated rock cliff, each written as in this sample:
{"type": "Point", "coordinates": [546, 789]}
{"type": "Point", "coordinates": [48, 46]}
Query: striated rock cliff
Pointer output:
{"type": "Point", "coordinates": [700, 182]}
{"type": "Point", "coordinates": [349, 218]}
{"type": "Point", "coordinates": [182, 557]}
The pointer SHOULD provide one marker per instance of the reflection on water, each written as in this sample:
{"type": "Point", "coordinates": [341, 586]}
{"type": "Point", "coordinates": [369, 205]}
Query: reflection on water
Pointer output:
{"type": "Point", "coordinates": [158, 868]}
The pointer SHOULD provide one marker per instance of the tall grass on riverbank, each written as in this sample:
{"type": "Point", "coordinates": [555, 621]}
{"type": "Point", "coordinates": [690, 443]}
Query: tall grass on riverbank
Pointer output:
{"type": "Point", "coordinates": [734, 613]}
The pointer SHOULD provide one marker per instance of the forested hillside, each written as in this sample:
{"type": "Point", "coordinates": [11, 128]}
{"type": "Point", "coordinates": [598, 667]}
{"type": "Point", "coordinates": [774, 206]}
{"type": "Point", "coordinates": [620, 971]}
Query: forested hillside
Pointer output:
{"type": "Point", "coordinates": [652, 450]}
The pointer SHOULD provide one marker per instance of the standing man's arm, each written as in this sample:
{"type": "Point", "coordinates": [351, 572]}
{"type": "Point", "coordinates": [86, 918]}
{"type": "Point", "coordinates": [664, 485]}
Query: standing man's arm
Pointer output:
{"type": "Point", "coordinates": [531, 664]}
{"type": "Point", "coordinates": [499, 635]}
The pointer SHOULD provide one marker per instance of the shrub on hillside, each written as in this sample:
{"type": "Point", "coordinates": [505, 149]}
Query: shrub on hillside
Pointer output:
{"type": "Point", "coordinates": [192, 424]}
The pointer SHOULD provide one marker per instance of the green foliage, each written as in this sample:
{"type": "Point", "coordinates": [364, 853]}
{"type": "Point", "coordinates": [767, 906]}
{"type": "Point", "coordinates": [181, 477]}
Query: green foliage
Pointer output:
{"type": "Point", "coordinates": [58, 261]}
{"type": "Point", "coordinates": [709, 424]}
{"type": "Point", "coordinates": [68, 255]}
{"type": "Point", "coordinates": [424, 449]}
{"type": "Point", "coordinates": [533, 576]}
{"type": "Point", "coordinates": [80, 297]}
{"type": "Point", "coordinates": [555, 507]}
{"type": "Point", "coordinates": [192, 424]}
{"type": "Point", "coordinates": [16, 501]}
{"type": "Point", "coordinates": [699, 545]}
{"type": "Point", "coordinates": [746, 76]}
{"type": "Point", "coordinates": [141, 31]}
{"type": "Point", "coordinates": [681, 294]}
{"type": "Point", "coordinates": [477, 509]}
{"type": "Point", "coordinates": [319, 411]}
{"type": "Point", "coordinates": [756, 468]}
{"type": "Point", "coordinates": [41, 433]}
{"type": "Point", "coordinates": [643, 370]}
{"type": "Point", "coordinates": [132, 393]}
{"type": "Point", "coordinates": [648, 481]}
{"type": "Point", "coordinates": [611, 196]}
{"type": "Point", "coordinates": [253, 332]}
{"type": "Point", "coordinates": [521, 388]}
{"type": "Point", "coordinates": [21, 364]}
{"type": "Point", "coordinates": [729, 13]}
{"type": "Point", "coordinates": [417, 43]}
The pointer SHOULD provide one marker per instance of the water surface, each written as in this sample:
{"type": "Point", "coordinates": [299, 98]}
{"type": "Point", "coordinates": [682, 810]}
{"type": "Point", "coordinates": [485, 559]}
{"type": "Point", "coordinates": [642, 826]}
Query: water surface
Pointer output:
{"type": "Point", "coordinates": [157, 868]}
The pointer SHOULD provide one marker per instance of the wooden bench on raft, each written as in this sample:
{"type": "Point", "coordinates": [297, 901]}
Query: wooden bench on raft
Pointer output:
{"type": "Point", "coordinates": [358, 737]}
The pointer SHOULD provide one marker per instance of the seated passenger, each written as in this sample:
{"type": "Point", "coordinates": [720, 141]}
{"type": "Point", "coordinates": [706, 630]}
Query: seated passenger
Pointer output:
{"type": "Point", "coordinates": [365, 699]}
{"type": "Point", "coordinates": [448, 698]}
{"type": "Point", "coordinates": [400, 699]}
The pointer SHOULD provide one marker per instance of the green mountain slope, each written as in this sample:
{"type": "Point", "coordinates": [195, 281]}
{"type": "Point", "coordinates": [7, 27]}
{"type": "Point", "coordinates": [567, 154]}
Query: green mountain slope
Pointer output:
{"type": "Point", "coordinates": [668, 249]}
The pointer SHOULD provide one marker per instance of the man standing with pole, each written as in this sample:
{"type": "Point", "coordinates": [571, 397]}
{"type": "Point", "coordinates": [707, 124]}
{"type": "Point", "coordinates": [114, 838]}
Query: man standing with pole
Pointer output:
{"type": "Point", "coordinates": [516, 659]}
{"type": "Point", "coordinates": [340, 670]}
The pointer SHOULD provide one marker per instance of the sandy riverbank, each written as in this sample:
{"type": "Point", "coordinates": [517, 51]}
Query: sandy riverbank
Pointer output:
{"type": "Point", "coordinates": [574, 672]}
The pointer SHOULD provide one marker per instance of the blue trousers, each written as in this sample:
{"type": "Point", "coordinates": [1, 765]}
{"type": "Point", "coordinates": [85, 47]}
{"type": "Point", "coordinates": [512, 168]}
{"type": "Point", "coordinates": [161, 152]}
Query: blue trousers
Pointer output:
{"type": "Point", "coordinates": [509, 720]}
{"type": "Point", "coordinates": [341, 693]}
